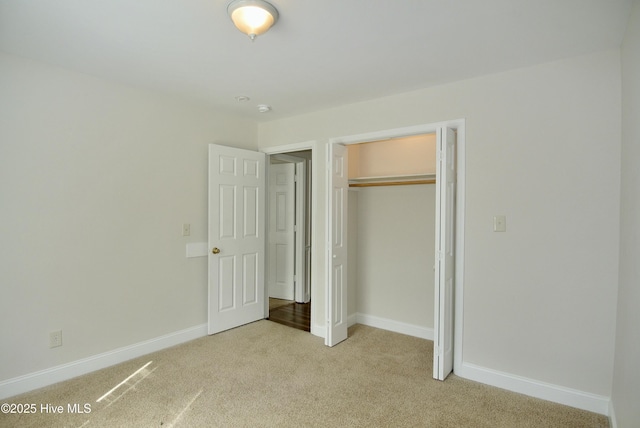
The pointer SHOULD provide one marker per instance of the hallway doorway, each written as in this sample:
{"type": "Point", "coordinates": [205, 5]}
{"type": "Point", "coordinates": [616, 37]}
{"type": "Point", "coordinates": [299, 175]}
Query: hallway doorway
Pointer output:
{"type": "Point", "coordinates": [289, 233]}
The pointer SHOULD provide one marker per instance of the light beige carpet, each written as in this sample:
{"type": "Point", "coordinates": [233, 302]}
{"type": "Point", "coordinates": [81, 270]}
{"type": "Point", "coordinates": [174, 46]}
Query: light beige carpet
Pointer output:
{"type": "Point", "coordinates": [268, 375]}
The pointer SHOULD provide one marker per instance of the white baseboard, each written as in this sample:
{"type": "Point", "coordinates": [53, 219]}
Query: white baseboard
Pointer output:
{"type": "Point", "coordinates": [319, 330]}
{"type": "Point", "coordinates": [352, 320]}
{"type": "Point", "coordinates": [391, 325]}
{"type": "Point", "coordinates": [613, 423]}
{"type": "Point", "coordinates": [381, 323]}
{"type": "Point", "coordinates": [39, 379]}
{"type": "Point", "coordinates": [546, 391]}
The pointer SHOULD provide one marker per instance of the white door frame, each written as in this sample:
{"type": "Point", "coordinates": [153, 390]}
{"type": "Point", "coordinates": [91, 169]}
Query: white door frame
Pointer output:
{"type": "Point", "coordinates": [459, 126]}
{"type": "Point", "coordinates": [289, 148]}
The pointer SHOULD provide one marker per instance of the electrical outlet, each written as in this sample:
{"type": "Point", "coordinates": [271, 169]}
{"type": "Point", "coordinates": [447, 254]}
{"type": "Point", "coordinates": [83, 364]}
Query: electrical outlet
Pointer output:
{"type": "Point", "coordinates": [186, 229]}
{"type": "Point", "coordinates": [55, 339]}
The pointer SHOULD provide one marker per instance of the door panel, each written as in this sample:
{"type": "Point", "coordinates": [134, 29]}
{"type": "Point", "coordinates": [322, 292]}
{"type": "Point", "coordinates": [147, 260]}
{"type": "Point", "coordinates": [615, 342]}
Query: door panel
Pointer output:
{"type": "Point", "coordinates": [236, 229]}
{"type": "Point", "coordinates": [281, 230]}
{"type": "Point", "coordinates": [251, 215]}
{"type": "Point", "coordinates": [250, 279]}
{"type": "Point", "coordinates": [445, 254]}
{"type": "Point", "coordinates": [337, 291]}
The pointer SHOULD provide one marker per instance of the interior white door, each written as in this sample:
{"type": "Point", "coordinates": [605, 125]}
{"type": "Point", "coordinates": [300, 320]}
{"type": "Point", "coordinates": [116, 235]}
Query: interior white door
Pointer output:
{"type": "Point", "coordinates": [281, 234]}
{"type": "Point", "coordinates": [236, 237]}
{"type": "Point", "coordinates": [445, 253]}
{"type": "Point", "coordinates": [337, 229]}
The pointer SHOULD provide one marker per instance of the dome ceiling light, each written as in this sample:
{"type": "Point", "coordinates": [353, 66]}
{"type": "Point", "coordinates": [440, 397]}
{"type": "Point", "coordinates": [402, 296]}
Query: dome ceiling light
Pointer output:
{"type": "Point", "coordinates": [252, 17]}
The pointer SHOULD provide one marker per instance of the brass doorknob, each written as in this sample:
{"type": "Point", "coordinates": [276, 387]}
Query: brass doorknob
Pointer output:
{"type": "Point", "coordinates": [215, 250]}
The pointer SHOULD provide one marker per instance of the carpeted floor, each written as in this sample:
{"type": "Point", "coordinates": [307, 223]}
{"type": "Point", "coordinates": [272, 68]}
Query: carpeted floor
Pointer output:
{"type": "Point", "coordinates": [268, 375]}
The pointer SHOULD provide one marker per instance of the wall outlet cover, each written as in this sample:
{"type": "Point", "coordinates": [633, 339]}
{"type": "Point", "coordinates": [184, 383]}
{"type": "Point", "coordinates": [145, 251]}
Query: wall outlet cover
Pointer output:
{"type": "Point", "coordinates": [55, 339]}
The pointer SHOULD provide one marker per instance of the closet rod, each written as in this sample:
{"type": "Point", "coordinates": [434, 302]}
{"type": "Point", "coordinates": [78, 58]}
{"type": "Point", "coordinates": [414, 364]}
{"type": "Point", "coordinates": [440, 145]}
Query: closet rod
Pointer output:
{"type": "Point", "coordinates": [392, 183]}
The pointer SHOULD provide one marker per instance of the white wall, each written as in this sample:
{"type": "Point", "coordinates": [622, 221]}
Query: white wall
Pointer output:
{"type": "Point", "coordinates": [96, 180]}
{"type": "Point", "coordinates": [626, 384]}
{"type": "Point", "coordinates": [542, 148]}
{"type": "Point", "coordinates": [411, 155]}
{"type": "Point", "coordinates": [396, 252]}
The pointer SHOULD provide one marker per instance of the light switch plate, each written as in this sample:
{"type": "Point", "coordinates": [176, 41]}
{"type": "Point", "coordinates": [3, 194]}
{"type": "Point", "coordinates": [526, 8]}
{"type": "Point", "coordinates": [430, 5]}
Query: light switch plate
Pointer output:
{"type": "Point", "coordinates": [500, 223]}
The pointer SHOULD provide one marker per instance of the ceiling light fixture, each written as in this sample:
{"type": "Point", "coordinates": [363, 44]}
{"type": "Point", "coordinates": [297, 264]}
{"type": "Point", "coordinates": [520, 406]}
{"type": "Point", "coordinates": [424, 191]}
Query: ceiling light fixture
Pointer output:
{"type": "Point", "coordinates": [252, 17]}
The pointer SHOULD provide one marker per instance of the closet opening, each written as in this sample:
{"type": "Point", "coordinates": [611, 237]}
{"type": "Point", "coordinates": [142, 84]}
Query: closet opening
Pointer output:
{"type": "Point", "coordinates": [447, 265]}
{"type": "Point", "coordinates": [391, 233]}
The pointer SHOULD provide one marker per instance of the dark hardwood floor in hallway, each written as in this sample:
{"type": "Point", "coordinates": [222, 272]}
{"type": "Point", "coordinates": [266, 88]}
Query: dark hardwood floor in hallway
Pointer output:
{"type": "Point", "coordinates": [290, 313]}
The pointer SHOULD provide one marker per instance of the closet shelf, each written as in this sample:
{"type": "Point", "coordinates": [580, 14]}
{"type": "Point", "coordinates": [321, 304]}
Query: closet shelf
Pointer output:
{"type": "Point", "coordinates": [392, 180]}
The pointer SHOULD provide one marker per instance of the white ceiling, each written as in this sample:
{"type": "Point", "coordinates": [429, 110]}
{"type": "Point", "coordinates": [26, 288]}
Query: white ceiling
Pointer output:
{"type": "Point", "coordinates": [320, 54]}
